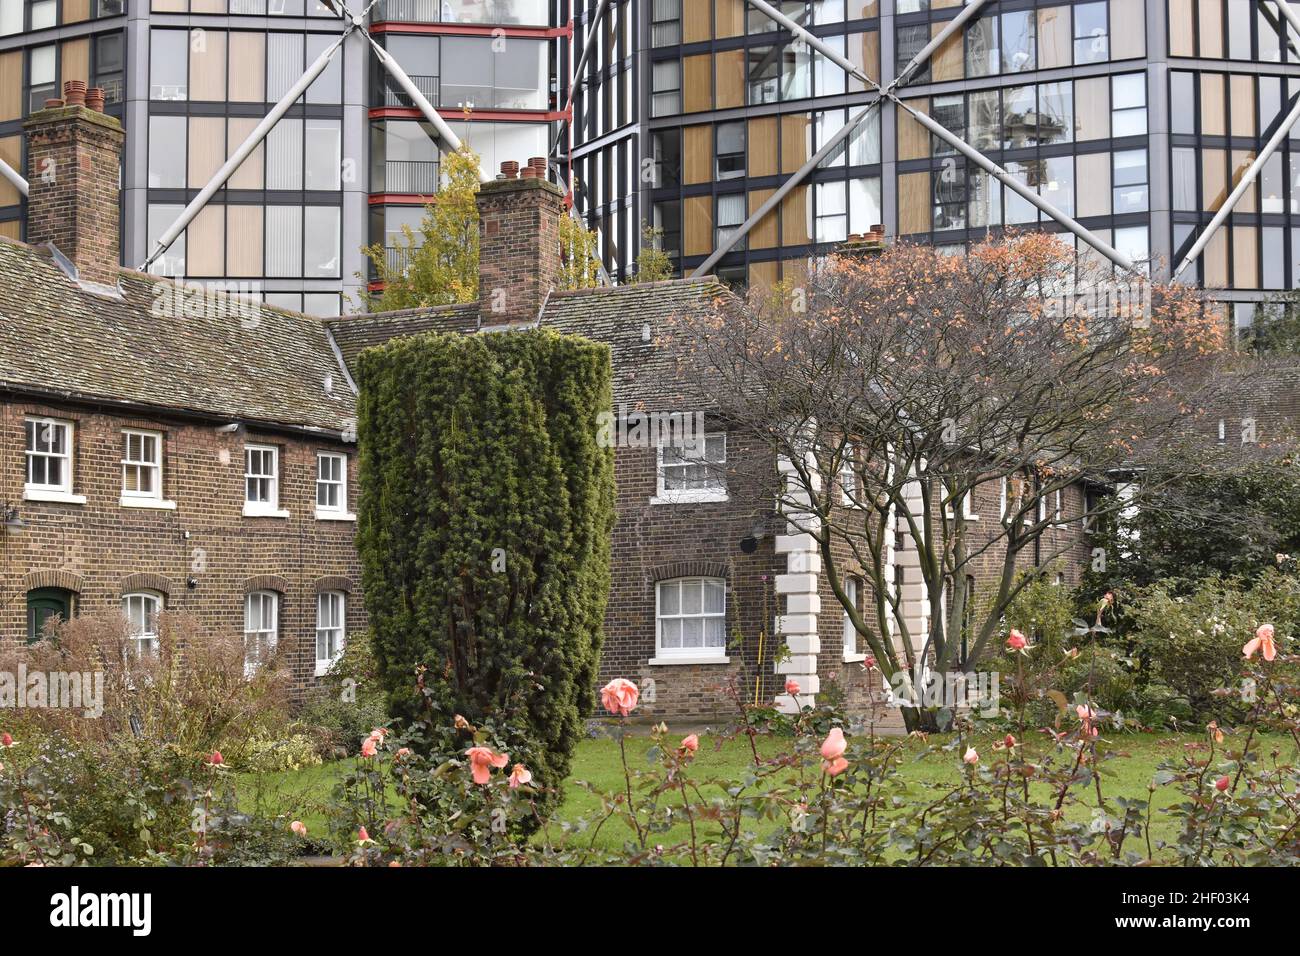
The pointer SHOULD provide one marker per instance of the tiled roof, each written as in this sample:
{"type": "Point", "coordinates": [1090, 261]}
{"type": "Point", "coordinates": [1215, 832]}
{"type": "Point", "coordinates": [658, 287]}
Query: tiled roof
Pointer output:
{"type": "Point", "coordinates": [235, 360]}
{"type": "Point", "coordinates": [353, 333]}
{"type": "Point", "coordinates": [645, 372]}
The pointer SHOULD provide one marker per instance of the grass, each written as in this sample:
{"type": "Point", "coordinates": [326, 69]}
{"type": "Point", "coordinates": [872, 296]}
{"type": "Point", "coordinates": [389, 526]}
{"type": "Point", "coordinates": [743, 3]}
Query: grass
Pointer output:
{"type": "Point", "coordinates": [303, 794]}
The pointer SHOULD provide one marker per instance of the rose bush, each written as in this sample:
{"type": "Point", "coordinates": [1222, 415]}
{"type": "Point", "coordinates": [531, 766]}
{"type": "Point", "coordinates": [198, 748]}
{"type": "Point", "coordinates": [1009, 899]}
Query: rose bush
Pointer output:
{"type": "Point", "coordinates": [833, 795]}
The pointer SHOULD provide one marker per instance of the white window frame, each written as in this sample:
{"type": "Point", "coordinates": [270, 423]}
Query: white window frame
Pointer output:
{"type": "Point", "coordinates": [691, 655]}
{"type": "Point", "coordinates": [44, 491]}
{"type": "Point", "coordinates": [1057, 514]}
{"type": "Point", "coordinates": [324, 628]}
{"type": "Point", "coordinates": [339, 510]}
{"type": "Point", "coordinates": [143, 499]}
{"type": "Point", "coordinates": [147, 635]}
{"type": "Point", "coordinates": [270, 508]}
{"type": "Point", "coordinates": [717, 491]}
{"type": "Point", "coordinates": [966, 513]}
{"type": "Point", "coordinates": [853, 586]}
{"type": "Point", "coordinates": [265, 638]}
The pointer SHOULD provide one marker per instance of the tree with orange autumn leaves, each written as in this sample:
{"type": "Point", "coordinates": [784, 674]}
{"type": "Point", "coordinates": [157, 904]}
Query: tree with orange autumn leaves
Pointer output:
{"type": "Point", "coordinates": [898, 388]}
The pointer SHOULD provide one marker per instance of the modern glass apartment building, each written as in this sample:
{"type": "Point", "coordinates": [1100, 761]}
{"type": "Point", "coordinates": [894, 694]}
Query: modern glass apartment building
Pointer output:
{"type": "Point", "coordinates": [347, 166]}
{"type": "Point", "coordinates": [1133, 117]}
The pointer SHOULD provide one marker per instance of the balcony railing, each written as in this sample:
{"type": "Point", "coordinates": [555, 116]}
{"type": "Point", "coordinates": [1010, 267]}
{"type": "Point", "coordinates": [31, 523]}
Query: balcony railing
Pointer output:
{"type": "Point", "coordinates": [397, 258]}
{"type": "Point", "coordinates": [497, 12]}
{"type": "Point", "coordinates": [408, 11]}
{"type": "Point", "coordinates": [394, 95]}
{"type": "Point", "coordinates": [112, 86]}
{"type": "Point", "coordinates": [411, 176]}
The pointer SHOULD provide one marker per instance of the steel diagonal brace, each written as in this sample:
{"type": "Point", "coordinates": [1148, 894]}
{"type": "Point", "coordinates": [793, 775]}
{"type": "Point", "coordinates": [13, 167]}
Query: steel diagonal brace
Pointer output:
{"type": "Point", "coordinates": [295, 92]}
{"type": "Point", "coordinates": [1252, 171]}
{"type": "Point", "coordinates": [978, 158]}
{"type": "Point", "coordinates": [11, 174]}
{"type": "Point", "coordinates": [449, 139]}
{"type": "Point", "coordinates": [841, 134]}
{"type": "Point", "coordinates": [253, 140]}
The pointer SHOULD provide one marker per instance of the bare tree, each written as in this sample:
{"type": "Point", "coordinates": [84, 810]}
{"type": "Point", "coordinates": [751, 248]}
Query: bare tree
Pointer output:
{"type": "Point", "coordinates": [896, 388]}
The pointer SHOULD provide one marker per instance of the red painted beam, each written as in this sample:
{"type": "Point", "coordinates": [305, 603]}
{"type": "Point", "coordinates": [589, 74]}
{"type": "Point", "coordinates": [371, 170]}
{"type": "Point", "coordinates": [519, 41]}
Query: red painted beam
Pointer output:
{"type": "Point", "coordinates": [400, 199]}
{"type": "Point", "coordinates": [472, 30]}
{"type": "Point", "coordinates": [509, 116]}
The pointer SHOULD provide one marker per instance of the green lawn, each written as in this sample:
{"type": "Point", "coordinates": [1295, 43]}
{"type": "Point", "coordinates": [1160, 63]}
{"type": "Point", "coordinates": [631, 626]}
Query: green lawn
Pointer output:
{"type": "Point", "coordinates": [303, 793]}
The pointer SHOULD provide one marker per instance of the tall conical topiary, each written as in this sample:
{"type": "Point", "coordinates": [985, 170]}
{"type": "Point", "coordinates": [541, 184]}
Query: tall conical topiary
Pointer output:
{"type": "Point", "coordinates": [484, 529]}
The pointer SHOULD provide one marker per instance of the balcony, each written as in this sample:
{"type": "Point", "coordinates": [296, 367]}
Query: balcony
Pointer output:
{"type": "Point", "coordinates": [396, 258]}
{"type": "Point", "coordinates": [393, 95]}
{"type": "Point", "coordinates": [411, 176]}
{"type": "Point", "coordinates": [495, 12]}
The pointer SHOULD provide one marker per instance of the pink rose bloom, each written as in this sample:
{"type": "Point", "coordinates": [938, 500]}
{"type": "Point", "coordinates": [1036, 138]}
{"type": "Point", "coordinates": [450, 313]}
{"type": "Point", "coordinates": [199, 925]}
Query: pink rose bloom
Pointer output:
{"type": "Point", "coordinates": [868, 663]}
{"type": "Point", "coordinates": [1009, 742]}
{"type": "Point", "coordinates": [792, 687]}
{"type": "Point", "coordinates": [1222, 783]}
{"type": "Point", "coordinates": [691, 743]}
{"type": "Point", "coordinates": [299, 828]}
{"type": "Point", "coordinates": [363, 836]}
{"type": "Point", "coordinates": [368, 747]}
{"type": "Point", "coordinates": [482, 760]}
{"type": "Point", "coordinates": [520, 776]}
{"type": "Point", "coordinates": [402, 752]}
{"type": "Point", "coordinates": [461, 723]}
{"type": "Point", "coordinates": [971, 756]}
{"type": "Point", "coordinates": [6, 740]}
{"type": "Point", "coordinates": [832, 751]}
{"type": "Point", "coordinates": [1086, 716]}
{"type": "Point", "coordinates": [216, 760]}
{"type": "Point", "coordinates": [835, 767]}
{"type": "Point", "coordinates": [1016, 641]}
{"type": "Point", "coordinates": [619, 696]}
{"type": "Point", "coordinates": [1263, 640]}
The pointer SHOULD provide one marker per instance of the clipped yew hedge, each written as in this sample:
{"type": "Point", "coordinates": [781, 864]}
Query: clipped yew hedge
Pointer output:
{"type": "Point", "coordinates": [484, 527]}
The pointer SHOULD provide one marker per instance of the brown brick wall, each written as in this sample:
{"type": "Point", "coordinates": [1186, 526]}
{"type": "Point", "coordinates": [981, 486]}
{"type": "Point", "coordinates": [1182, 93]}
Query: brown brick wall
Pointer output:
{"type": "Point", "coordinates": [654, 542]}
{"type": "Point", "coordinates": [101, 549]}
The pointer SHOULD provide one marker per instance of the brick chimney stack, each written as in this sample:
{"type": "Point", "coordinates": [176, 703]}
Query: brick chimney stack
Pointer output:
{"type": "Point", "coordinates": [518, 243]}
{"type": "Point", "coordinates": [75, 173]}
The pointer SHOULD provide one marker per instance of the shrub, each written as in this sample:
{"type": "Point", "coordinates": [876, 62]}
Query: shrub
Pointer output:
{"type": "Point", "coordinates": [348, 703]}
{"type": "Point", "coordinates": [1188, 635]}
{"type": "Point", "coordinates": [483, 530]}
{"type": "Point", "coordinates": [126, 802]}
{"type": "Point", "coordinates": [193, 694]}
{"type": "Point", "coordinates": [1064, 657]}
{"type": "Point", "coordinates": [832, 797]}
{"type": "Point", "coordinates": [272, 755]}
{"type": "Point", "coordinates": [1042, 610]}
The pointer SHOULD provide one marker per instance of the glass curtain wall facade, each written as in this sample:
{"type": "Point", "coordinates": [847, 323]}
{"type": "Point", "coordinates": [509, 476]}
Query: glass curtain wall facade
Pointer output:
{"type": "Point", "coordinates": [1233, 71]}
{"type": "Point", "coordinates": [1136, 117]}
{"type": "Point", "coordinates": [348, 164]}
{"type": "Point", "coordinates": [488, 66]}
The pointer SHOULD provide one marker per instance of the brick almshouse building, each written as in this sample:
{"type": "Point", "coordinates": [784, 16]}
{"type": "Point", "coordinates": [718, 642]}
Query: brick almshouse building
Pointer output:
{"type": "Point", "coordinates": [159, 451]}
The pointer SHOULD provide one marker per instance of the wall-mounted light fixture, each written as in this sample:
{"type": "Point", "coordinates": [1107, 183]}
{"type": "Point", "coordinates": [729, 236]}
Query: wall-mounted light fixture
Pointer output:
{"type": "Point", "coordinates": [13, 524]}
